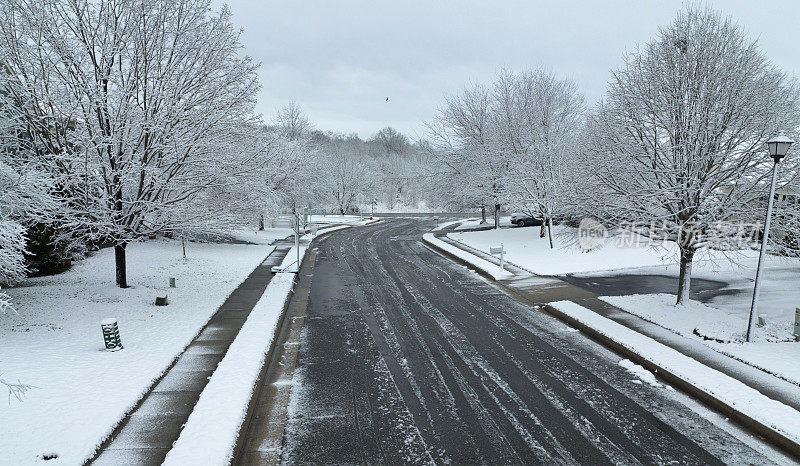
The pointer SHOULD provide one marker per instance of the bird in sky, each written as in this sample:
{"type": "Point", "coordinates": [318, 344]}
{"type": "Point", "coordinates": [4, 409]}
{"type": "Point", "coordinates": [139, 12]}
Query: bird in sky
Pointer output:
{"type": "Point", "coordinates": [387, 99]}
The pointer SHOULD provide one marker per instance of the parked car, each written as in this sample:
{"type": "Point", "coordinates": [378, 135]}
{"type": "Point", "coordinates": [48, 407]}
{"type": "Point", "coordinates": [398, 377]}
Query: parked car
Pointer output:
{"type": "Point", "coordinates": [522, 220]}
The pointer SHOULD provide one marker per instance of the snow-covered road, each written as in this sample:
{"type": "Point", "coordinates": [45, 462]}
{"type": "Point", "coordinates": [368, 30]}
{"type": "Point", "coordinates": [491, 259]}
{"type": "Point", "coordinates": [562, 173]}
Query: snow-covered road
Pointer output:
{"type": "Point", "coordinates": [407, 357]}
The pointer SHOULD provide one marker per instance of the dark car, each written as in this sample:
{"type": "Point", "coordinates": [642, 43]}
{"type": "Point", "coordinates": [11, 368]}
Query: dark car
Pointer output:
{"type": "Point", "coordinates": [522, 220]}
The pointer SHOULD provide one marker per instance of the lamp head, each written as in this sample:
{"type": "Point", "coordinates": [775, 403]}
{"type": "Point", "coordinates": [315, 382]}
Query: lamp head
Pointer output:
{"type": "Point", "coordinates": [778, 147]}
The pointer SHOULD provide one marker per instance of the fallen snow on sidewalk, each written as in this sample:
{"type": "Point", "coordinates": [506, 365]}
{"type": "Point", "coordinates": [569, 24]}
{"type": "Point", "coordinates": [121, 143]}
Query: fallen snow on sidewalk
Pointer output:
{"type": "Point", "coordinates": [720, 330]}
{"type": "Point", "coordinates": [55, 342]}
{"type": "Point", "coordinates": [211, 431]}
{"type": "Point", "coordinates": [768, 412]}
{"type": "Point", "coordinates": [526, 249]}
{"type": "Point", "coordinates": [482, 264]}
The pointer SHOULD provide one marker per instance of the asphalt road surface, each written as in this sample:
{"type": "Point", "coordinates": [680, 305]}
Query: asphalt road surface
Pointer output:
{"type": "Point", "coordinates": [407, 357]}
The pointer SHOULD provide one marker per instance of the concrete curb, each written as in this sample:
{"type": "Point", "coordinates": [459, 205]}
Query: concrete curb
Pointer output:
{"type": "Point", "coordinates": [280, 330]}
{"type": "Point", "coordinates": [451, 256]}
{"type": "Point", "coordinates": [269, 361]}
{"type": "Point", "coordinates": [761, 429]}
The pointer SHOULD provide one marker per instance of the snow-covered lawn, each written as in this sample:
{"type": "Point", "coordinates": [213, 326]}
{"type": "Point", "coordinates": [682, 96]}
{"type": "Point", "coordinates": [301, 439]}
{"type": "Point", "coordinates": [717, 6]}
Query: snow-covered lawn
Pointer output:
{"type": "Point", "coordinates": [780, 293]}
{"type": "Point", "coordinates": [476, 222]}
{"type": "Point", "coordinates": [723, 330]}
{"type": "Point", "coordinates": [525, 249]}
{"type": "Point", "coordinates": [55, 342]}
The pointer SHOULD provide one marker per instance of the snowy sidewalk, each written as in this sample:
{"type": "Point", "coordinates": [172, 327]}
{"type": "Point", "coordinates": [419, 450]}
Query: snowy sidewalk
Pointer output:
{"type": "Point", "coordinates": [148, 431]}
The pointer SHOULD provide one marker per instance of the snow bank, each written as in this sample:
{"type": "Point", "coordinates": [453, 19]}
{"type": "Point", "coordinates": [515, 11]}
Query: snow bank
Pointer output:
{"type": "Point", "coordinates": [525, 249]}
{"type": "Point", "coordinates": [482, 264]}
{"type": "Point", "coordinates": [209, 435]}
{"type": "Point", "coordinates": [55, 343]}
{"type": "Point", "coordinates": [751, 403]}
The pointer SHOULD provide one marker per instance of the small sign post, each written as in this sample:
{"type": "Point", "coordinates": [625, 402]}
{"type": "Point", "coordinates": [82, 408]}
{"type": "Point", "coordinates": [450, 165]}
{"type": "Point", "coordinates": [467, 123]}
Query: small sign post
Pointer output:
{"type": "Point", "coordinates": [500, 251]}
{"type": "Point", "coordinates": [797, 324]}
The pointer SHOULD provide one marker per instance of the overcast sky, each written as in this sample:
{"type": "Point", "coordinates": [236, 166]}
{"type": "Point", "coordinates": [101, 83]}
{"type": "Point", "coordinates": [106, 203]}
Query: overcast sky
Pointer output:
{"type": "Point", "coordinates": [341, 59]}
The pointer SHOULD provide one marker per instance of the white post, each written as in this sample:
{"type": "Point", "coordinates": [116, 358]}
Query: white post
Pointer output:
{"type": "Point", "coordinates": [502, 253]}
{"type": "Point", "coordinates": [764, 240]}
{"type": "Point", "coordinates": [797, 324]}
{"type": "Point", "coordinates": [297, 241]}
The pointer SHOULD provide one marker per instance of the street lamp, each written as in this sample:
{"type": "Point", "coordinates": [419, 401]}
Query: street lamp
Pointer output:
{"type": "Point", "coordinates": [778, 147]}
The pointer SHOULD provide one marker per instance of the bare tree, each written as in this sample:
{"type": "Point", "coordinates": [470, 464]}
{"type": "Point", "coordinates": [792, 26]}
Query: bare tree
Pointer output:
{"type": "Point", "coordinates": [463, 139]}
{"type": "Point", "coordinates": [151, 90]}
{"type": "Point", "coordinates": [292, 122]}
{"type": "Point", "coordinates": [391, 140]}
{"type": "Point", "coordinates": [539, 122]}
{"type": "Point", "coordinates": [347, 173]}
{"type": "Point", "coordinates": [679, 141]}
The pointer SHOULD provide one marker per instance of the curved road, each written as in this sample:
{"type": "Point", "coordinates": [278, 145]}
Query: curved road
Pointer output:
{"type": "Point", "coordinates": [407, 357]}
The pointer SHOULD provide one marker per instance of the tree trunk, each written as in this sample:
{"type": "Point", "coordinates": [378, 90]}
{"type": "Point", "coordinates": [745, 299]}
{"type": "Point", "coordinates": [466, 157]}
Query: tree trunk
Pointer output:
{"type": "Point", "coordinates": [483, 214]}
{"type": "Point", "coordinates": [550, 230]}
{"type": "Point", "coordinates": [541, 230]}
{"type": "Point", "coordinates": [496, 216]}
{"type": "Point", "coordinates": [684, 280]}
{"type": "Point", "coordinates": [119, 259]}
{"type": "Point", "coordinates": [261, 222]}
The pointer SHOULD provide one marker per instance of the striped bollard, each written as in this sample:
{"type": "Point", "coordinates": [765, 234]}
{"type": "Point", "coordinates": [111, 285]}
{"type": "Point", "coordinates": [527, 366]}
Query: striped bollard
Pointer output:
{"type": "Point", "coordinates": [111, 334]}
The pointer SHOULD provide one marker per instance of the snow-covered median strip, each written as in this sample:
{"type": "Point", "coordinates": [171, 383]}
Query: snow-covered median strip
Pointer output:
{"type": "Point", "coordinates": [746, 402]}
{"type": "Point", "coordinates": [210, 434]}
{"type": "Point", "coordinates": [494, 270]}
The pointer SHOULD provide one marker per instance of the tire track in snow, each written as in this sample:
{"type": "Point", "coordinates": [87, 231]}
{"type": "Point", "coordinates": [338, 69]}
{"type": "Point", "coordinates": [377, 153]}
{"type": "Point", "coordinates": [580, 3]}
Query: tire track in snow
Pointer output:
{"type": "Point", "coordinates": [438, 359]}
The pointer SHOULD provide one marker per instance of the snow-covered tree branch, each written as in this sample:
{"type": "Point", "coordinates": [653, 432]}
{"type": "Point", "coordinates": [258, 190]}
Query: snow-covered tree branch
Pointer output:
{"type": "Point", "coordinates": [680, 138]}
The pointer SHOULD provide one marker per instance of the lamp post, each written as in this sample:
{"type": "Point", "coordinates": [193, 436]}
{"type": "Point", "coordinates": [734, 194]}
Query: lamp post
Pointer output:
{"type": "Point", "coordinates": [778, 147]}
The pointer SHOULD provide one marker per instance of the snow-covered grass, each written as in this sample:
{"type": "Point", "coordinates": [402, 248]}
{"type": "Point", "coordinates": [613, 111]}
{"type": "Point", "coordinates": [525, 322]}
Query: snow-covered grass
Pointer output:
{"type": "Point", "coordinates": [696, 319]}
{"type": "Point", "coordinates": [525, 249]}
{"type": "Point", "coordinates": [733, 393]}
{"type": "Point", "coordinates": [266, 236]}
{"type": "Point", "coordinates": [444, 225]}
{"type": "Point", "coordinates": [723, 331]}
{"type": "Point", "coordinates": [209, 435]}
{"type": "Point", "coordinates": [54, 342]}
{"type": "Point", "coordinates": [476, 222]}
{"type": "Point", "coordinates": [346, 219]}
{"type": "Point", "coordinates": [482, 264]}
{"type": "Point", "coordinates": [780, 293]}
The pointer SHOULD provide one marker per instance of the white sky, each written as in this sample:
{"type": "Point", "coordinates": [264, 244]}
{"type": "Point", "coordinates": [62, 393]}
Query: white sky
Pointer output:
{"type": "Point", "coordinates": [340, 59]}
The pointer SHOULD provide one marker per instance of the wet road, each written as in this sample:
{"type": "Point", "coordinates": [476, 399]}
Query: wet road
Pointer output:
{"type": "Point", "coordinates": [407, 357]}
{"type": "Point", "coordinates": [627, 284]}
